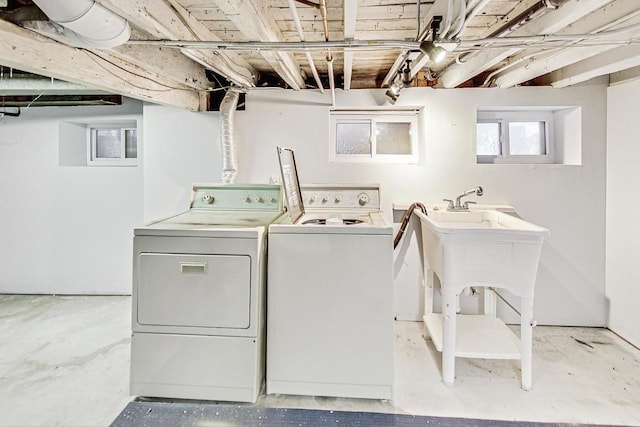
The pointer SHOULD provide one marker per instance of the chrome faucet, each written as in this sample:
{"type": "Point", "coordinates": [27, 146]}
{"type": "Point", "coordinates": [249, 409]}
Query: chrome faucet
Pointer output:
{"type": "Point", "coordinates": [463, 207]}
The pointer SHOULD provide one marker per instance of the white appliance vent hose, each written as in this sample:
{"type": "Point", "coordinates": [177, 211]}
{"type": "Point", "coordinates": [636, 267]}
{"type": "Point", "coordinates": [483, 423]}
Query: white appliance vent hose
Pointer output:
{"type": "Point", "coordinates": [227, 141]}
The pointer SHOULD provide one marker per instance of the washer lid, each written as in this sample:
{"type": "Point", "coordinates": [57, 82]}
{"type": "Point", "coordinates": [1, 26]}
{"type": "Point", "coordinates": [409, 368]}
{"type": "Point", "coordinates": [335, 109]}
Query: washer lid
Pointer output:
{"type": "Point", "coordinates": [291, 184]}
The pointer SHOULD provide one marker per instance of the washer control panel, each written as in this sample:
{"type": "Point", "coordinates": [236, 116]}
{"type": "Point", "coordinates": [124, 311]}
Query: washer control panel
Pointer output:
{"type": "Point", "coordinates": [336, 196]}
{"type": "Point", "coordinates": [237, 197]}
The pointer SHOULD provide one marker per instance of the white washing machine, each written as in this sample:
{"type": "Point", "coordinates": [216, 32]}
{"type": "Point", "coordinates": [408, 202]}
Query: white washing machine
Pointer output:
{"type": "Point", "coordinates": [330, 295]}
{"type": "Point", "coordinates": [199, 296]}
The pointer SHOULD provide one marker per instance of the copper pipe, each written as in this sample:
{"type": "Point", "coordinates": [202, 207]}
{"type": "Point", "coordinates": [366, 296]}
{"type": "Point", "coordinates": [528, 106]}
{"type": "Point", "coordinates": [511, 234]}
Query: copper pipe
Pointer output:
{"type": "Point", "coordinates": [325, 23]}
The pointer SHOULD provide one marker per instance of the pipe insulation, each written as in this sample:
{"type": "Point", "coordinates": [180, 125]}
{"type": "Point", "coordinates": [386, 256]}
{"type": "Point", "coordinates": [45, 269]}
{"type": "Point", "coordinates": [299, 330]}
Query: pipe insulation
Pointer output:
{"type": "Point", "coordinates": [87, 23]}
{"type": "Point", "coordinates": [227, 140]}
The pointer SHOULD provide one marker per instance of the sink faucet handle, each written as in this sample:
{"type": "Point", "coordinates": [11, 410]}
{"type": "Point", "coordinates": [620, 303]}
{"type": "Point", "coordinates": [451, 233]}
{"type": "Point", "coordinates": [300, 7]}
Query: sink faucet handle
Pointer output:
{"type": "Point", "coordinates": [466, 204]}
{"type": "Point", "coordinates": [450, 206]}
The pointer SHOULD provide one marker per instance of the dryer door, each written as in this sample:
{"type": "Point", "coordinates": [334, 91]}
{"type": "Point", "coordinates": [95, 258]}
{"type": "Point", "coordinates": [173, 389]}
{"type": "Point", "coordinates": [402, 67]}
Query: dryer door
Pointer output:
{"type": "Point", "coordinates": [194, 290]}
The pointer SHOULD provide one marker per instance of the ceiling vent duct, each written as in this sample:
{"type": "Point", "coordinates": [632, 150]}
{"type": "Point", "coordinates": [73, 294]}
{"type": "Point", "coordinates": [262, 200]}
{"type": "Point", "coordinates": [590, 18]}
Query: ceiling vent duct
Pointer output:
{"type": "Point", "coordinates": [81, 23]}
{"type": "Point", "coordinates": [228, 143]}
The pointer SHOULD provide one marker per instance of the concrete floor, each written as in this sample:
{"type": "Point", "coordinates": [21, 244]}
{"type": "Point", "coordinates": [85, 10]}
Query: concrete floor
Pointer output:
{"type": "Point", "coordinates": [64, 360]}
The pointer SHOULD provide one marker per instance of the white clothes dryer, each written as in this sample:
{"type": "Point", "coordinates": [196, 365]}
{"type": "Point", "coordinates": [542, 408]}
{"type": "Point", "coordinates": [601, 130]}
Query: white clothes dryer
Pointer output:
{"type": "Point", "coordinates": [199, 296]}
{"type": "Point", "coordinates": [330, 296]}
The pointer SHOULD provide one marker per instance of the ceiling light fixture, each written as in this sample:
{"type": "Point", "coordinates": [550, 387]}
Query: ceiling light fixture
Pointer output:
{"type": "Point", "coordinates": [436, 53]}
{"type": "Point", "coordinates": [393, 92]}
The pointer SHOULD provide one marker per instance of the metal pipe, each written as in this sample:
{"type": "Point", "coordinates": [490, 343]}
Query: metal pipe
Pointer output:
{"type": "Point", "coordinates": [308, 3]}
{"type": "Point", "coordinates": [312, 65]}
{"type": "Point", "coordinates": [284, 46]}
{"type": "Point", "coordinates": [227, 140]}
{"type": "Point", "coordinates": [379, 44]}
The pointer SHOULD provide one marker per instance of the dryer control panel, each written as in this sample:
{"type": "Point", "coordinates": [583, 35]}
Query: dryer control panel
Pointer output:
{"type": "Point", "coordinates": [341, 196]}
{"type": "Point", "coordinates": [263, 197]}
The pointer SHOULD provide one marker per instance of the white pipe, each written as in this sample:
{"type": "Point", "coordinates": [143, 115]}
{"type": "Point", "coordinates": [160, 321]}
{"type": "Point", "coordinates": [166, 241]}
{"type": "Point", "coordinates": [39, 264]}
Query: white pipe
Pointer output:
{"type": "Point", "coordinates": [314, 71]}
{"type": "Point", "coordinates": [332, 84]}
{"type": "Point", "coordinates": [447, 20]}
{"type": "Point", "coordinates": [227, 141]}
{"type": "Point", "coordinates": [92, 24]}
{"type": "Point", "coordinates": [312, 65]}
{"type": "Point", "coordinates": [472, 14]}
{"type": "Point", "coordinates": [459, 21]}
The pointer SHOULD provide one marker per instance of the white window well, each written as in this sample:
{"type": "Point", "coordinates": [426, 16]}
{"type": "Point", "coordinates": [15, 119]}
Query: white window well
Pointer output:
{"type": "Point", "coordinates": [112, 145]}
{"type": "Point", "coordinates": [374, 136]}
{"type": "Point", "coordinates": [515, 136]}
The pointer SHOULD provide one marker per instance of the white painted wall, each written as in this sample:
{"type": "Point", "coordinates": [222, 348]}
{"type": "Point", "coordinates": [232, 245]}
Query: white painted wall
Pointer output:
{"type": "Point", "coordinates": [182, 148]}
{"type": "Point", "coordinates": [64, 229]}
{"type": "Point", "coordinates": [623, 210]}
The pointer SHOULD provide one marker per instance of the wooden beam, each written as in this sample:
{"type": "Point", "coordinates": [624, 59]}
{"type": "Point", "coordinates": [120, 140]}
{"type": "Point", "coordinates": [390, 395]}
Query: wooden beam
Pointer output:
{"type": "Point", "coordinates": [28, 51]}
{"type": "Point", "coordinates": [350, 9]}
{"type": "Point", "coordinates": [256, 22]}
{"type": "Point", "coordinates": [624, 76]}
{"type": "Point", "coordinates": [613, 16]}
{"type": "Point", "coordinates": [549, 23]}
{"type": "Point", "coordinates": [615, 60]}
{"type": "Point", "coordinates": [169, 20]}
{"type": "Point", "coordinates": [155, 59]}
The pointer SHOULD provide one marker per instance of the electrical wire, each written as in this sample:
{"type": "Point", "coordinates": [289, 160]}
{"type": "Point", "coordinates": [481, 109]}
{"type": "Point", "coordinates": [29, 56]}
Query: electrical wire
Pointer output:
{"type": "Point", "coordinates": [169, 88]}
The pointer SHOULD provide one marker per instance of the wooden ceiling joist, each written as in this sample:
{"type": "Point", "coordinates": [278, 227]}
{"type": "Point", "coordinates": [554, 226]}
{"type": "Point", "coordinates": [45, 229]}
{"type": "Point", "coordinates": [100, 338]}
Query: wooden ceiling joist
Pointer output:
{"type": "Point", "coordinates": [169, 20]}
{"type": "Point", "coordinates": [349, 20]}
{"type": "Point", "coordinates": [554, 21]}
{"type": "Point", "coordinates": [28, 51]}
{"type": "Point", "coordinates": [256, 22]}
{"type": "Point", "coordinates": [534, 63]}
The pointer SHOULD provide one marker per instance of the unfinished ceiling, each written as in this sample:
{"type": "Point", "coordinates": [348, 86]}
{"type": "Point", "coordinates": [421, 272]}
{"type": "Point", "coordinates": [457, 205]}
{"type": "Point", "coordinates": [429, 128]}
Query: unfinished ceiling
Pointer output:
{"type": "Point", "coordinates": [179, 50]}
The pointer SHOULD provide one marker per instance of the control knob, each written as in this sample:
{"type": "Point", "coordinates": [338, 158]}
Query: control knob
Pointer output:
{"type": "Point", "coordinates": [363, 199]}
{"type": "Point", "coordinates": [338, 198]}
{"type": "Point", "coordinates": [313, 198]}
{"type": "Point", "coordinates": [325, 199]}
{"type": "Point", "coordinates": [207, 198]}
{"type": "Point", "coordinates": [259, 199]}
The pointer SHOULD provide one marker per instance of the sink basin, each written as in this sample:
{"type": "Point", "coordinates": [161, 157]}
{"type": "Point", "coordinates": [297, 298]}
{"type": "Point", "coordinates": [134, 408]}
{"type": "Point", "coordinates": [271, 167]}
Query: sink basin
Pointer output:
{"type": "Point", "coordinates": [485, 248]}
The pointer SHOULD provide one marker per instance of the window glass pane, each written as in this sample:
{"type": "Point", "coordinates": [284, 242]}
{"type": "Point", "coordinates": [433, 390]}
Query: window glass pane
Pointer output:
{"type": "Point", "coordinates": [108, 144]}
{"type": "Point", "coordinates": [527, 138]}
{"type": "Point", "coordinates": [393, 138]}
{"type": "Point", "coordinates": [488, 139]}
{"type": "Point", "coordinates": [353, 138]}
{"type": "Point", "coordinates": [131, 143]}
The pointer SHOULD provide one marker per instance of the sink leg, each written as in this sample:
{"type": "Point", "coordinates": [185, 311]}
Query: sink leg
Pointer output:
{"type": "Point", "coordinates": [489, 302]}
{"type": "Point", "coordinates": [428, 295]}
{"type": "Point", "coordinates": [526, 342]}
{"type": "Point", "coordinates": [448, 338]}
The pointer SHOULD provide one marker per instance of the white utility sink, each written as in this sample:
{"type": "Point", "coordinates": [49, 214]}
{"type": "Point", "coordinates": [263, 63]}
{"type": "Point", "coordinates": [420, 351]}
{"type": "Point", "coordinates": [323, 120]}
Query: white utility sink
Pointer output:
{"type": "Point", "coordinates": [483, 248]}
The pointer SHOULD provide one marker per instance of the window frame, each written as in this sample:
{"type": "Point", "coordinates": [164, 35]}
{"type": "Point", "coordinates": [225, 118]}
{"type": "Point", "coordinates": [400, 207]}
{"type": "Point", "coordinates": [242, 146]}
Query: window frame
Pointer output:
{"type": "Point", "coordinates": [373, 117]}
{"type": "Point", "coordinates": [503, 119]}
{"type": "Point", "coordinates": [92, 130]}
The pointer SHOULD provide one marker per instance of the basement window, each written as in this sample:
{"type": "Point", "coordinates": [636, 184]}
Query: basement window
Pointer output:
{"type": "Point", "coordinates": [514, 137]}
{"type": "Point", "coordinates": [374, 136]}
{"type": "Point", "coordinates": [112, 145]}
